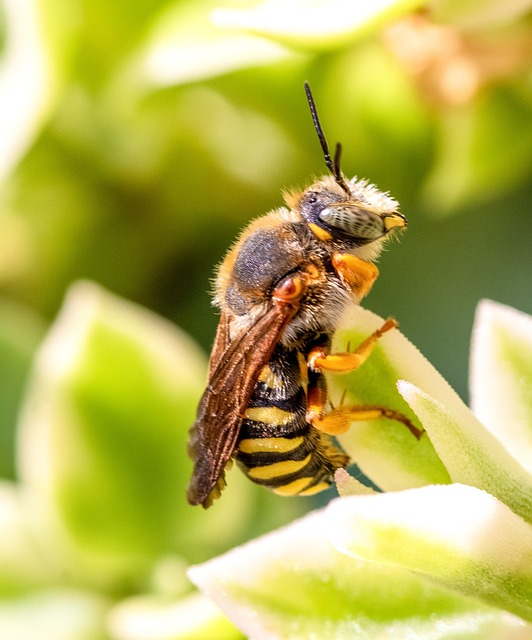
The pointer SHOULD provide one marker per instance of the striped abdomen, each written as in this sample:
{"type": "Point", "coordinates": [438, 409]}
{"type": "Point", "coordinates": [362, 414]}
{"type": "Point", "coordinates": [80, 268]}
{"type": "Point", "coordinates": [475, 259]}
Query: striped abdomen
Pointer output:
{"type": "Point", "coordinates": [277, 447]}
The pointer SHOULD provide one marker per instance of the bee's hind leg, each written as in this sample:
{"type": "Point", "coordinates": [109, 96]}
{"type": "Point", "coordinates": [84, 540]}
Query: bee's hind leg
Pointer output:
{"type": "Point", "coordinates": [338, 420]}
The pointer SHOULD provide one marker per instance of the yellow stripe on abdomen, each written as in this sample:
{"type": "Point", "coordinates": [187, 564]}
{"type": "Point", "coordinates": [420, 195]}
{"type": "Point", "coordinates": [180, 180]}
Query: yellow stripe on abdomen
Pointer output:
{"type": "Point", "coordinates": [266, 445]}
{"type": "Point", "coordinates": [277, 469]}
{"type": "Point", "coordinates": [321, 486]}
{"type": "Point", "coordinates": [272, 416]}
{"type": "Point", "coordinates": [269, 378]}
{"type": "Point", "coordinates": [293, 488]}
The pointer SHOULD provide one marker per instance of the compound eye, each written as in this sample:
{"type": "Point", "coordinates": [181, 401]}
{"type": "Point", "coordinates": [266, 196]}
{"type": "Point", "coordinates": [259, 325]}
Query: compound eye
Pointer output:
{"type": "Point", "coordinates": [354, 220]}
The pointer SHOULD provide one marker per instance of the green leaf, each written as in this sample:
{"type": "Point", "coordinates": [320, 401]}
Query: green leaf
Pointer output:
{"type": "Point", "coordinates": [38, 39]}
{"type": "Point", "coordinates": [477, 15]}
{"type": "Point", "coordinates": [501, 377]}
{"type": "Point", "coordinates": [292, 584]}
{"type": "Point", "coordinates": [471, 454]}
{"type": "Point", "coordinates": [315, 24]}
{"type": "Point", "coordinates": [462, 538]}
{"type": "Point", "coordinates": [484, 150]}
{"type": "Point", "coordinates": [194, 617]}
{"type": "Point", "coordinates": [20, 332]}
{"type": "Point", "coordinates": [22, 564]}
{"type": "Point", "coordinates": [103, 441]}
{"type": "Point", "coordinates": [185, 46]}
{"type": "Point", "coordinates": [349, 486]}
{"type": "Point", "coordinates": [384, 449]}
{"type": "Point", "coordinates": [53, 614]}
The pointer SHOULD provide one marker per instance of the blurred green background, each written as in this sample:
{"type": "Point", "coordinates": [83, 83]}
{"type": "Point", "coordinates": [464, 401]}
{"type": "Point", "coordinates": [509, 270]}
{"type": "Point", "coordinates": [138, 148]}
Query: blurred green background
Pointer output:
{"type": "Point", "coordinates": [139, 136]}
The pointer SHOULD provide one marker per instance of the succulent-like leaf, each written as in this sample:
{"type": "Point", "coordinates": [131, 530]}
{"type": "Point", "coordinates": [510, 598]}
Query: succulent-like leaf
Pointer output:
{"type": "Point", "coordinates": [293, 584]}
{"type": "Point", "coordinates": [103, 437]}
{"type": "Point", "coordinates": [31, 72]}
{"type": "Point", "coordinates": [501, 377]}
{"type": "Point", "coordinates": [54, 614]}
{"type": "Point", "coordinates": [384, 449]}
{"type": "Point", "coordinates": [314, 24]}
{"type": "Point", "coordinates": [462, 538]}
{"type": "Point", "coordinates": [194, 617]}
{"type": "Point", "coordinates": [471, 454]}
{"type": "Point", "coordinates": [185, 46]}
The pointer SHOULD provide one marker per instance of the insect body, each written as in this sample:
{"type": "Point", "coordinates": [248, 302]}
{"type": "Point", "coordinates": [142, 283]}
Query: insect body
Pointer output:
{"type": "Point", "coordinates": [282, 289]}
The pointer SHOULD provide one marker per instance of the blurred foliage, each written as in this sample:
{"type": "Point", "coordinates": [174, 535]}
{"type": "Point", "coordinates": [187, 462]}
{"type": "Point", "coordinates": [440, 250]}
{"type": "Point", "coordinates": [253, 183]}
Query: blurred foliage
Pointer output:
{"type": "Point", "coordinates": [138, 136]}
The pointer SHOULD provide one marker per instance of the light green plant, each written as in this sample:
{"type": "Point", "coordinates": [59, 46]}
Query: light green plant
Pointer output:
{"type": "Point", "coordinates": [446, 552]}
{"type": "Point", "coordinates": [112, 167]}
{"type": "Point", "coordinates": [98, 525]}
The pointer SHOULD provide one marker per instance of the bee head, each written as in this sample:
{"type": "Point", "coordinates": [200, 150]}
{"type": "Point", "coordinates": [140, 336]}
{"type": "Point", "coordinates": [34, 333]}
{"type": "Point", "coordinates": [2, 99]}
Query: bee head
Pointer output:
{"type": "Point", "coordinates": [349, 209]}
{"type": "Point", "coordinates": [363, 214]}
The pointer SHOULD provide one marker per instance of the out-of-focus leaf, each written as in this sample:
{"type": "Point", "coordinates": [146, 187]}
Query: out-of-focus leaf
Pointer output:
{"type": "Point", "coordinates": [22, 566]}
{"type": "Point", "coordinates": [195, 617]}
{"type": "Point", "coordinates": [501, 377]}
{"type": "Point", "coordinates": [293, 584]}
{"type": "Point", "coordinates": [34, 58]}
{"type": "Point", "coordinates": [471, 454]}
{"type": "Point", "coordinates": [185, 46]}
{"type": "Point", "coordinates": [20, 332]}
{"type": "Point", "coordinates": [384, 449]}
{"type": "Point", "coordinates": [484, 149]}
{"type": "Point", "coordinates": [380, 119]}
{"type": "Point", "coordinates": [103, 439]}
{"type": "Point", "coordinates": [349, 486]}
{"type": "Point", "coordinates": [314, 24]}
{"type": "Point", "coordinates": [478, 15]}
{"type": "Point", "coordinates": [53, 614]}
{"type": "Point", "coordinates": [460, 537]}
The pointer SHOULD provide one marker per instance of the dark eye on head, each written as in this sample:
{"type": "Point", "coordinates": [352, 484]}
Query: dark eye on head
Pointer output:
{"type": "Point", "coordinates": [312, 198]}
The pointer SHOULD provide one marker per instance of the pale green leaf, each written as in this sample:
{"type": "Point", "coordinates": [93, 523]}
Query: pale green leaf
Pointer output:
{"type": "Point", "coordinates": [53, 614]}
{"type": "Point", "coordinates": [501, 377]}
{"type": "Point", "coordinates": [103, 439]}
{"type": "Point", "coordinates": [20, 333]}
{"type": "Point", "coordinates": [483, 149]}
{"type": "Point", "coordinates": [462, 538]}
{"type": "Point", "coordinates": [471, 454]}
{"type": "Point", "coordinates": [194, 617]}
{"type": "Point", "coordinates": [349, 486]}
{"type": "Point", "coordinates": [314, 24]}
{"type": "Point", "coordinates": [31, 72]}
{"type": "Point", "coordinates": [384, 449]}
{"type": "Point", "coordinates": [22, 564]}
{"type": "Point", "coordinates": [477, 15]}
{"type": "Point", "coordinates": [184, 46]}
{"type": "Point", "coordinates": [292, 584]}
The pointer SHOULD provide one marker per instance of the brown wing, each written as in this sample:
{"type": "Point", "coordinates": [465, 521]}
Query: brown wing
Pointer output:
{"type": "Point", "coordinates": [233, 374]}
{"type": "Point", "coordinates": [221, 342]}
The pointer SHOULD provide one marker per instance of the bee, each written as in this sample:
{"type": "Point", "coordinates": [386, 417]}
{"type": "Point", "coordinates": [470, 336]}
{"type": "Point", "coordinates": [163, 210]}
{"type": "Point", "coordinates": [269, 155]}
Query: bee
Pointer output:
{"type": "Point", "coordinates": [281, 290]}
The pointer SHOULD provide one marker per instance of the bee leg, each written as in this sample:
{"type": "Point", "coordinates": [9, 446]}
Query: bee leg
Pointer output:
{"type": "Point", "coordinates": [357, 274]}
{"type": "Point", "coordinates": [316, 397]}
{"type": "Point", "coordinates": [338, 421]}
{"type": "Point", "coordinates": [320, 360]}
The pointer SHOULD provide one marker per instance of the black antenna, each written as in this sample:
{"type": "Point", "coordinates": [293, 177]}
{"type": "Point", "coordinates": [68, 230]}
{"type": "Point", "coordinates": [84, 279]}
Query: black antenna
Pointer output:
{"type": "Point", "coordinates": [333, 166]}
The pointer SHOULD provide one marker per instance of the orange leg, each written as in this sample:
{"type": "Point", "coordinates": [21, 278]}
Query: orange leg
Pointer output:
{"type": "Point", "coordinates": [316, 399]}
{"type": "Point", "coordinates": [357, 274]}
{"type": "Point", "coordinates": [338, 420]}
{"type": "Point", "coordinates": [320, 360]}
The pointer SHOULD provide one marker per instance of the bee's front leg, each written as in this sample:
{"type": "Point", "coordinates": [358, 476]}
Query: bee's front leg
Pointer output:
{"type": "Point", "coordinates": [358, 275]}
{"type": "Point", "coordinates": [338, 420]}
{"type": "Point", "coordinates": [320, 360]}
